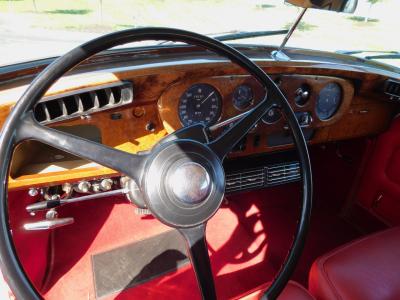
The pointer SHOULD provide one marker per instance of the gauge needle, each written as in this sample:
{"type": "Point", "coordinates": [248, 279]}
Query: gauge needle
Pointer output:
{"type": "Point", "coordinates": [207, 97]}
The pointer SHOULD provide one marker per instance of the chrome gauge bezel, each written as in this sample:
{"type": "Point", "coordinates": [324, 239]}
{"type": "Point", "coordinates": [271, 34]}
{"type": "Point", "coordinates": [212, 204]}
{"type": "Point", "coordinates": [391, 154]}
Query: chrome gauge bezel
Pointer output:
{"type": "Point", "coordinates": [270, 123]}
{"type": "Point", "coordinates": [218, 97]}
{"type": "Point", "coordinates": [250, 101]}
{"type": "Point", "coordinates": [336, 107]}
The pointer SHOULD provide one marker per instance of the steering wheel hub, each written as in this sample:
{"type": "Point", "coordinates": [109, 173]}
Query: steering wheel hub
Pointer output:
{"type": "Point", "coordinates": [190, 183]}
{"type": "Point", "coordinates": [183, 183]}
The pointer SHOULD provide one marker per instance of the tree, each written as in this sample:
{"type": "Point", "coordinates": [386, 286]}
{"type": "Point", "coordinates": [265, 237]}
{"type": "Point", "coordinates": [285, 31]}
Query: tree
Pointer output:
{"type": "Point", "coordinates": [371, 3]}
{"type": "Point", "coordinates": [34, 5]}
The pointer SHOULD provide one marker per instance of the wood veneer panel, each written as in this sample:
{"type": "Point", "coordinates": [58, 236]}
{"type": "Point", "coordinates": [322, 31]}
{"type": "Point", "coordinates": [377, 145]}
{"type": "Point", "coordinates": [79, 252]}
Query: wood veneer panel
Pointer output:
{"type": "Point", "coordinates": [157, 90]}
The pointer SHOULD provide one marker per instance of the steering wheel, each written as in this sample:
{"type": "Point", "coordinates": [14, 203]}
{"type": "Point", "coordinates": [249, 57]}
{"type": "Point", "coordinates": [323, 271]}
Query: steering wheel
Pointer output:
{"type": "Point", "coordinates": [181, 178]}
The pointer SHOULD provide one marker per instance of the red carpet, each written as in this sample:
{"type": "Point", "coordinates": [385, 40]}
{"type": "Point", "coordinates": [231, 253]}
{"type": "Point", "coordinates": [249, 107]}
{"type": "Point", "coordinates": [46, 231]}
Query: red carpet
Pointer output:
{"type": "Point", "coordinates": [248, 239]}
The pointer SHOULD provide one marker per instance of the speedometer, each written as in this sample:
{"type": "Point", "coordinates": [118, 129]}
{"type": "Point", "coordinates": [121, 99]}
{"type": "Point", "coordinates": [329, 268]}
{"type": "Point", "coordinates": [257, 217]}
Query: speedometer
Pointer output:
{"type": "Point", "coordinates": [200, 103]}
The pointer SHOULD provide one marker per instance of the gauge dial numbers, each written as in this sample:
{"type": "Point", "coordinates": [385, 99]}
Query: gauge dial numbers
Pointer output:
{"type": "Point", "coordinates": [200, 103]}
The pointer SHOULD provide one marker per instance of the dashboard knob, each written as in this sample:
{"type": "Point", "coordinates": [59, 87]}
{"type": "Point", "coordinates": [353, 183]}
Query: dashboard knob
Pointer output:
{"type": "Point", "coordinates": [304, 118]}
{"type": "Point", "coordinates": [67, 188]}
{"type": "Point", "coordinates": [33, 192]}
{"type": "Point", "coordinates": [83, 187]}
{"type": "Point", "coordinates": [96, 188]}
{"type": "Point", "coordinates": [302, 95]}
{"type": "Point", "coordinates": [106, 184]}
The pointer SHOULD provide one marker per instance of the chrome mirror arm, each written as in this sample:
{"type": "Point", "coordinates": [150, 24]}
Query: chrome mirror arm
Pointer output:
{"type": "Point", "coordinates": [278, 54]}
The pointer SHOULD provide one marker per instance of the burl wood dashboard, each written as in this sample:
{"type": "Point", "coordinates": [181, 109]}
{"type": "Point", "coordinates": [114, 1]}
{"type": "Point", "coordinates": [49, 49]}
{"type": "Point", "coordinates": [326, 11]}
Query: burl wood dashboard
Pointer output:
{"type": "Point", "coordinates": [154, 112]}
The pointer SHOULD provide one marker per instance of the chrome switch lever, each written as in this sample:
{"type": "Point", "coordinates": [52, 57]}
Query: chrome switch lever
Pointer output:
{"type": "Point", "coordinates": [49, 204]}
{"type": "Point", "coordinates": [48, 224]}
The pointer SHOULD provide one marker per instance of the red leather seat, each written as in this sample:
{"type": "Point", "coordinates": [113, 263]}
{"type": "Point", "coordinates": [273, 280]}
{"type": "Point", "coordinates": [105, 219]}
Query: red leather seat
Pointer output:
{"type": "Point", "coordinates": [367, 269]}
{"type": "Point", "coordinates": [292, 291]}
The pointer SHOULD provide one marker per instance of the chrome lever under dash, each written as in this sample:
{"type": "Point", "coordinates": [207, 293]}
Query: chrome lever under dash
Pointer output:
{"type": "Point", "coordinates": [49, 204]}
{"type": "Point", "coordinates": [48, 224]}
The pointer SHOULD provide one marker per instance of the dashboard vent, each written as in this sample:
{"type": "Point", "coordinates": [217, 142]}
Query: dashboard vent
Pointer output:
{"type": "Point", "coordinates": [83, 102]}
{"type": "Point", "coordinates": [392, 88]}
{"type": "Point", "coordinates": [283, 173]}
{"type": "Point", "coordinates": [262, 177]}
{"type": "Point", "coordinates": [244, 180]}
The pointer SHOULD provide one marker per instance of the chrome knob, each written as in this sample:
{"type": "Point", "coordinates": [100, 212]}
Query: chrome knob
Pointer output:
{"type": "Point", "coordinates": [33, 192]}
{"type": "Point", "coordinates": [106, 184]}
{"type": "Point", "coordinates": [83, 187]}
{"type": "Point", "coordinates": [302, 94]}
{"type": "Point", "coordinates": [190, 183]}
{"type": "Point", "coordinates": [67, 188]}
{"type": "Point", "coordinates": [96, 188]}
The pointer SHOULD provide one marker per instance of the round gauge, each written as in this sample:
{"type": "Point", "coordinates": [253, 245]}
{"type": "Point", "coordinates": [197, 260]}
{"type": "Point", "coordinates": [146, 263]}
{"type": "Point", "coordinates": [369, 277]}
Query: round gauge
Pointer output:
{"type": "Point", "coordinates": [242, 96]}
{"type": "Point", "coordinates": [328, 101]}
{"type": "Point", "coordinates": [200, 103]}
{"type": "Point", "coordinates": [272, 116]}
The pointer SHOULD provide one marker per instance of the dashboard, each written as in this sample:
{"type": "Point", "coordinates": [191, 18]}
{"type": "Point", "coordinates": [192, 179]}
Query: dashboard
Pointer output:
{"type": "Point", "coordinates": [131, 106]}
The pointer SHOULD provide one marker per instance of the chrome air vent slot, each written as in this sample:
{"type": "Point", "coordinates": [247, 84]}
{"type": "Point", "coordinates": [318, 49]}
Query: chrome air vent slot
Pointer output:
{"type": "Point", "coordinates": [87, 101]}
{"type": "Point", "coordinates": [83, 102]}
{"type": "Point", "coordinates": [392, 88]}
{"type": "Point", "coordinates": [283, 173]}
{"type": "Point", "coordinates": [243, 180]}
{"type": "Point", "coordinates": [265, 176]}
{"type": "Point", "coordinates": [71, 105]}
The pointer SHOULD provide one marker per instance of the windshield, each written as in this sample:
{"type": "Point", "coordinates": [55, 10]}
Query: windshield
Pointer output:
{"type": "Point", "coordinates": [33, 29]}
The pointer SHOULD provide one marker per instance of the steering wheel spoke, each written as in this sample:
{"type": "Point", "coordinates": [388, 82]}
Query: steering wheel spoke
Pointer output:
{"type": "Point", "coordinates": [126, 163]}
{"type": "Point", "coordinates": [196, 132]}
{"type": "Point", "coordinates": [227, 140]}
{"type": "Point", "coordinates": [196, 244]}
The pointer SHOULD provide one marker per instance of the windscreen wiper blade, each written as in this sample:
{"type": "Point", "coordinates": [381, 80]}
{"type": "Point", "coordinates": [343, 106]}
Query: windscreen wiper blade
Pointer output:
{"type": "Point", "coordinates": [383, 56]}
{"type": "Point", "coordinates": [352, 52]}
{"type": "Point", "coordinates": [239, 35]}
{"type": "Point", "coordinates": [249, 34]}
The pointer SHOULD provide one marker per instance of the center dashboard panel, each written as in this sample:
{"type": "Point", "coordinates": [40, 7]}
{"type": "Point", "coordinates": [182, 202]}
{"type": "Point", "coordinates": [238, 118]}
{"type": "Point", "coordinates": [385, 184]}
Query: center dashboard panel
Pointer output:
{"type": "Point", "coordinates": [318, 102]}
{"type": "Point", "coordinates": [132, 110]}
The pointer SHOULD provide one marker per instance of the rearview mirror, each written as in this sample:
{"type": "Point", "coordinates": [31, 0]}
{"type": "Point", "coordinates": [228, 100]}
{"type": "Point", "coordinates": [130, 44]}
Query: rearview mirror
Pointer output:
{"type": "Point", "coordinates": [347, 6]}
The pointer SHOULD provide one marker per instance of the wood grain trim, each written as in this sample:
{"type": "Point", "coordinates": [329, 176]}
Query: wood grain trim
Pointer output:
{"type": "Point", "coordinates": [127, 134]}
{"type": "Point", "coordinates": [152, 84]}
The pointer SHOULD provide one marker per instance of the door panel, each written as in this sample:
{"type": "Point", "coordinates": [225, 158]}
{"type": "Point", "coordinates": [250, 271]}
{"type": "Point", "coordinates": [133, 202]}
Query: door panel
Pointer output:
{"type": "Point", "coordinates": [379, 190]}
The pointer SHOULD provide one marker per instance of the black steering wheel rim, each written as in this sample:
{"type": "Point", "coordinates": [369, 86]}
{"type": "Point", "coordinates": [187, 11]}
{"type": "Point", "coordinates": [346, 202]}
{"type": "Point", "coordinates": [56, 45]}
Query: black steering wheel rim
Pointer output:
{"type": "Point", "coordinates": [10, 265]}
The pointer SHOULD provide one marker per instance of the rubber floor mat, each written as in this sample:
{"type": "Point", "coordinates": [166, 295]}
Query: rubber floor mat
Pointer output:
{"type": "Point", "coordinates": [139, 262]}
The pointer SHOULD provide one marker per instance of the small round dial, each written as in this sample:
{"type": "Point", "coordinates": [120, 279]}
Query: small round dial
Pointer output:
{"type": "Point", "coordinates": [242, 97]}
{"type": "Point", "coordinates": [272, 116]}
{"type": "Point", "coordinates": [328, 101]}
{"type": "Point", "coordinates": [200, 103]}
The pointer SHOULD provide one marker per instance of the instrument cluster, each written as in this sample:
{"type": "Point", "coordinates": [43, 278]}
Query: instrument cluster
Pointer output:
{"type": "Point", "coordinates": [203, 103]}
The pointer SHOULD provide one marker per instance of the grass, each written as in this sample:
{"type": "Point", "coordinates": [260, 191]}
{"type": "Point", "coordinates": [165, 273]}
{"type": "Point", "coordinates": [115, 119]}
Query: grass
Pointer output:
{"type": "Point", "coordinates": [69, 11]}
{"type": "Point", "coordinates": [359, 19]}
{"type": "Point", "coordinates": [106, 15]}
{"type": "Point", "coordinates": [265, 5]}
{"type": "Point", "coordinates": [302, 26]}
